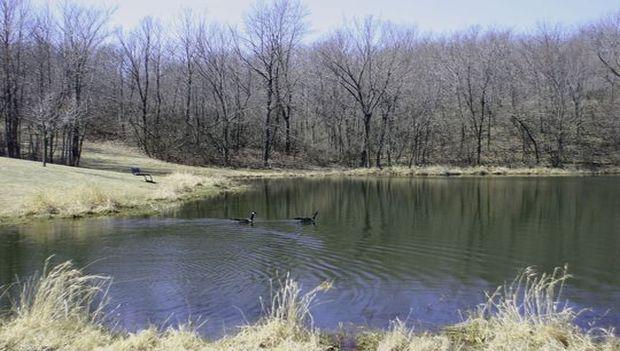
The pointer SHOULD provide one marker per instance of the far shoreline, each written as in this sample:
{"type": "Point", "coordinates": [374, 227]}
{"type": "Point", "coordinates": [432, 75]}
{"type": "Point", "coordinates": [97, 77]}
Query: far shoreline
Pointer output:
{"type": "Point", "coordinates": [180, 184]}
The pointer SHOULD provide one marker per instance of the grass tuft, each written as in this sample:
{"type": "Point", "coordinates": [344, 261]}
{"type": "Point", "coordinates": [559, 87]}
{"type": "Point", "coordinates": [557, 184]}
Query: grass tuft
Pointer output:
{"type": "Point", "coordinates": [180, 184]}
{"type": "Point", "coordinates": [525, 314]}
{"type": "Point", "coordinates": [72, 202]}
{"type": "Point", "coordinates": [59, 309]}
{"type": "Point", "coordinates": [287, 325]}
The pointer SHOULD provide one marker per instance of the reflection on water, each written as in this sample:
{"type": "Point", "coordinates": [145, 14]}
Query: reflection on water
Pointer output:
{"type": "Point", "coordinates": [417, 249]}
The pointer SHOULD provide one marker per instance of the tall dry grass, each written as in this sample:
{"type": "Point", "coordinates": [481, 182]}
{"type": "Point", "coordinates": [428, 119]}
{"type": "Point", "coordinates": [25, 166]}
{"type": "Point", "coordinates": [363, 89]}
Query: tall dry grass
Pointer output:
{"type": "Point", "coordinates": [83, 199]}
{"type": "Point", "coordinates": [287, 325]}
{"type": "Point", "coordinates": [73, 202]}
{"type": "Point", "coordinates": [525, 314]}
{"type": "Point", "coordinates": [59, 309]}
{"type": "Point", "coordinates": [62, 309]}
{"type": "Point", "coordinates": [180, 184]}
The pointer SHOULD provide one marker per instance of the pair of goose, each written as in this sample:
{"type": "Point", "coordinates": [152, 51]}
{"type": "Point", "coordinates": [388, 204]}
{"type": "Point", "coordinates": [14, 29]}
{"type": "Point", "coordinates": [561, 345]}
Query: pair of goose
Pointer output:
{"type": "Point", "coordinates": [303, 220]}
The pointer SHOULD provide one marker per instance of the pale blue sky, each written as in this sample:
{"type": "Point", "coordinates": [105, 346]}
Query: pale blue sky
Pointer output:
{"type": "Point", "coordinates": [437, 16]}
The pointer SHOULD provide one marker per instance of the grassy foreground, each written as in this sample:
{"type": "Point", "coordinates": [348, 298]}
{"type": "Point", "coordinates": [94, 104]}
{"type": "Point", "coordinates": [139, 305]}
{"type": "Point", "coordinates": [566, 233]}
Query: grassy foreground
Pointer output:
{"type": "Point", "coordinates": [104, 185]}
{"type": "Point", "coordinates": [57, 311]}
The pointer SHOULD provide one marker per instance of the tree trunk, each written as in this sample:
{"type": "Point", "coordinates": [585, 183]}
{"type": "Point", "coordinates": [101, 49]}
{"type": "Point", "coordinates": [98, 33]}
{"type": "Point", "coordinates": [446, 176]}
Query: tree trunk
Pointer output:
{"type": "Point", "coordinates": [74, 159]}
{"type": "Point", "coordinates": [12, 131]}
{"type": "Point", "coordinates": [384, 121]}
{"type": "Point", "coordinates": [365, 157]}
{"type": "Point", "coordinates": [45, 141]}
{"type": "Point", "coordinates": [267, 147]}
{"type": "Point", "coordinates": [531, 137]}
{"type": "Point", "coordinates": [287, 122]}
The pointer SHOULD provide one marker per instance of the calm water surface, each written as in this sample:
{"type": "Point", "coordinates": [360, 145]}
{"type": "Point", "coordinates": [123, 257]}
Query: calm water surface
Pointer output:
{"type": "Point", "coordinates": [416, 249]}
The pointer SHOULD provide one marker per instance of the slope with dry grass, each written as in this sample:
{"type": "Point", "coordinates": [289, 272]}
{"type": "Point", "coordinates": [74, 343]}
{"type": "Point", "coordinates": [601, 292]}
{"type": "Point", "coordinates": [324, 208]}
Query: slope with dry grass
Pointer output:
{"type": "Point", "coordinates": [32, 190]}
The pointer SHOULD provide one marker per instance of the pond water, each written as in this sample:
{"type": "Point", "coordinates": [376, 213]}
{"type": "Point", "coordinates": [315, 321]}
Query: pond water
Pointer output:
{"type": "Point", "coordinates": [423, 250]}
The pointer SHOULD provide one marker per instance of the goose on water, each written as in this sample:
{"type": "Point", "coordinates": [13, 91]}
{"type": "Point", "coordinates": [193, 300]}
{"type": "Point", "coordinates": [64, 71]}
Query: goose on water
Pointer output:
{"type": "Point", "coordinates": [246, 220]}
{"type": "Point", "coordinates": [308, 220]}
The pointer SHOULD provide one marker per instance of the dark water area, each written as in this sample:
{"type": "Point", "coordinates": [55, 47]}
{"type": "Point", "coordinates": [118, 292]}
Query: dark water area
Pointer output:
{"type": "Point", "coordinates": [422, 250]}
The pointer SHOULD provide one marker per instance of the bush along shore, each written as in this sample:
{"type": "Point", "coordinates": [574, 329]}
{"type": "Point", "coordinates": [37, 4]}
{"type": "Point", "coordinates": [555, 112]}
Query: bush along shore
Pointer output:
{"type": "Point", "coordinates": [63, 309]}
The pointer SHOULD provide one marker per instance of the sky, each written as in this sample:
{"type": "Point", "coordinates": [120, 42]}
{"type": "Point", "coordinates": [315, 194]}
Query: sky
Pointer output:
{"type": "Point", "coordinates": [438, 16]}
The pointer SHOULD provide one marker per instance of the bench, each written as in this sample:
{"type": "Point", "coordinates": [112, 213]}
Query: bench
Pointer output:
{"type": "Point", "coordinates": [137, 172]}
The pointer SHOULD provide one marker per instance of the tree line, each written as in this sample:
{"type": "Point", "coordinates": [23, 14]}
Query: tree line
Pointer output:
{"type": "Point", "coordinates": [370, 93]}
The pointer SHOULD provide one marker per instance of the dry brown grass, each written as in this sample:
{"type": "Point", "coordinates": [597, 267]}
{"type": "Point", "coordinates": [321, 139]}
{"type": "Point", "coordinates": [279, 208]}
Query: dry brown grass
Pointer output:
{"type": "Point", "coordinates": [56, 310]}
{"type": "Point", "coordinates": [30, 190]}
{"type": "Point", "coordinates": [437, 171]}
{"type": "Point", "coordinates": [71, 202]}
{"type": "Point", "coordinates": [525, 314]}
{"type": "Point", "coordinates": [59, 310]}
{"type": "Point", "coordinates": [81, 199]}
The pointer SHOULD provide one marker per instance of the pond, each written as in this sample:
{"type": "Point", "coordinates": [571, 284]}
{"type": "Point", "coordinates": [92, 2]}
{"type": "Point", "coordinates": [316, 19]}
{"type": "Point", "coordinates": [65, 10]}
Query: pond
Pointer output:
{"type": "Point", "coordinates": [420, 249]}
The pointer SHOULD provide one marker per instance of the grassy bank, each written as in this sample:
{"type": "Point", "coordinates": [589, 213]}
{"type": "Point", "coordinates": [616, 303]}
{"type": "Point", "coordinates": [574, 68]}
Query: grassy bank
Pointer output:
{"type": "Point", "coordinates": [30, 190]}
{"type": "Point", "coordinates": [103, 184]}
{"type": "Point", "coordinates": [57, 311]}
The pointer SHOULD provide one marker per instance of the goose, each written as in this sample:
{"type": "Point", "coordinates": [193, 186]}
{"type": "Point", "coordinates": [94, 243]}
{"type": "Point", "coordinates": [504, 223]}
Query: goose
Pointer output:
{"type": "Point", "coordinates": [308, 220]}
{"type": "Point", "coordinates": [246, 220]}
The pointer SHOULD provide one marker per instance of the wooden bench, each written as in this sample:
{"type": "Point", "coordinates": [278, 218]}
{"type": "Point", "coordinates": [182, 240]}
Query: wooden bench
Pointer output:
{"type": "Point", "coordinates": [137, 172]}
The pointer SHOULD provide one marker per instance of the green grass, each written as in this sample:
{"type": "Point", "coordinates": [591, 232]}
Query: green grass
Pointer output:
{"type": "Point", "coordinates": [61, 309]}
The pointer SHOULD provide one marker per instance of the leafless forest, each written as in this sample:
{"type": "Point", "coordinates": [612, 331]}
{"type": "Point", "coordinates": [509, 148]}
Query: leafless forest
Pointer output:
{"type": "Point", "coordinates": [369, 94]}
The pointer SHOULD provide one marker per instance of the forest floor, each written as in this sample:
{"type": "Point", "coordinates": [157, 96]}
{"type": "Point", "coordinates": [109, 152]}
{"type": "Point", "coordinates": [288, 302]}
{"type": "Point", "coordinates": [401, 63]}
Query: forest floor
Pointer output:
{"type": "Point", "coordinates": [104, 185]}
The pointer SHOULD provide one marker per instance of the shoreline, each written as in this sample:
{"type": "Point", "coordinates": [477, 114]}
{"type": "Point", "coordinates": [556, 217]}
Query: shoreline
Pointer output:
{"type": "Point", "coordinates": [63, 309]}
{"type": "Point", "coordinates": [179, 184]}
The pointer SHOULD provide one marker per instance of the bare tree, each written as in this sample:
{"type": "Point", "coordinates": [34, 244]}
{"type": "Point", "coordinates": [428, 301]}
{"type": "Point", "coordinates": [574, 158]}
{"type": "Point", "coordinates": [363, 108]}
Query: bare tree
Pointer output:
{"type": "Point", "coordinates": [14, 16]}
{"type": "Point", "coordinates": [83, 30]}
{"type": "Point", "coordinates": [369, 93]}
{"type": "Point", "coordinates": [229, 86]}
{"type": "Point", "coordinates": [142, 51]}
{"type": "Point", "coordinates": [607, 43]}
{"type": "Point", "coordinates": [558, 66]}
{"type": "Point", "coordinates": [49, 115]}
{"type": "Point", "coordinates": [365, 61]}
{"type": "Point", "coordinates": [272, 33]}
{"type": "Point", "coordinates": [473, 65]}
{"type": "Point", "coordinates": [188, 32]}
